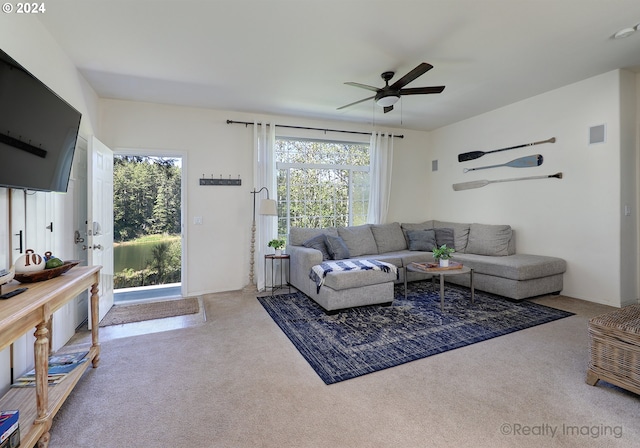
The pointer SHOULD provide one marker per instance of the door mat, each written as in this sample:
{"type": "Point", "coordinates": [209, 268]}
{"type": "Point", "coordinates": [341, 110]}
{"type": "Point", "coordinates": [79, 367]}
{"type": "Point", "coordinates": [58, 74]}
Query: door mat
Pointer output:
{"type": "Point", "coordinates": [125, 314]}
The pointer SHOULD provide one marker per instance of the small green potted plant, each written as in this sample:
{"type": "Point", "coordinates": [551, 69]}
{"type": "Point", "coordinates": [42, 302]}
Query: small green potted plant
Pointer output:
{"type": "Point", "coordinates": [278, 244]}
{"type": "Point", "coordinates": [443, 254]}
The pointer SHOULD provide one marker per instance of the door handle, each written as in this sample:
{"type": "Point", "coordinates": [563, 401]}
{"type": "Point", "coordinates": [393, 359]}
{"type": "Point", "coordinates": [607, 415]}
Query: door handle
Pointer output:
{"type": "Point", "coordinates": [19, 234]}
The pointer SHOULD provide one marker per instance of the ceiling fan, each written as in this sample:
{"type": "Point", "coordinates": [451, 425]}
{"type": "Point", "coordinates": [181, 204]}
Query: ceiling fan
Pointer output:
{"type": "Point", "coordinates": [388, 95]}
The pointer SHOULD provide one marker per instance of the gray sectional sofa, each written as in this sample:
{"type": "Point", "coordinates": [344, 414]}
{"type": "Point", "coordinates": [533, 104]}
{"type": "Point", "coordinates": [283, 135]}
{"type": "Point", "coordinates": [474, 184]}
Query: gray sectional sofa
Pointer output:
{"type": "Point", "coordinates": [488, 249]}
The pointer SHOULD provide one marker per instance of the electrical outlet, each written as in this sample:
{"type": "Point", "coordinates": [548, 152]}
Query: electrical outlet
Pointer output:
{"type": "Point", "coordinates": [197, 220]}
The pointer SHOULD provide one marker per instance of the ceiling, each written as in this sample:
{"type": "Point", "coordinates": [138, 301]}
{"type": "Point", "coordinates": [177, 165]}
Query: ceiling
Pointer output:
{"type": "Point", "coordinates": [288, 57]}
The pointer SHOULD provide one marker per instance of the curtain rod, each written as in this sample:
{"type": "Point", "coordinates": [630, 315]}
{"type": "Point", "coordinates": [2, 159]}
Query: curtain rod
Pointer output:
{"type": "Point", "coordinates": [246, 123]}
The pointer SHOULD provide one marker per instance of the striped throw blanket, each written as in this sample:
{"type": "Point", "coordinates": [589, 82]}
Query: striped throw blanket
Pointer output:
{"type": "Point", "coordinates": [320, 271]}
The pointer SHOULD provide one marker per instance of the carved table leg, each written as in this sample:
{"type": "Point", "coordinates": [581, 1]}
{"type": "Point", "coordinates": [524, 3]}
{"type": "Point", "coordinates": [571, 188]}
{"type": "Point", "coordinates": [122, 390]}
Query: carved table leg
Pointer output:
{"type": "Point", "coordinates": [41, 353]}
{"type": "Point", "coordinates": [95, 316]}
{"type": "Point", "coordinates": [43, 442]}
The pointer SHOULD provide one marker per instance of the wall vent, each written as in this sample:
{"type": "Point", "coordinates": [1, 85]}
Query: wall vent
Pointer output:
{"type": "Point", "coordinates": [597, 134]}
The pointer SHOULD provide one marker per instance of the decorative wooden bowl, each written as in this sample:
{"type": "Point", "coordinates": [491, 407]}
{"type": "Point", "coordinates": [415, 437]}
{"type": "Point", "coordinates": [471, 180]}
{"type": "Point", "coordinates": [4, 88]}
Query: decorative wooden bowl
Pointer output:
{"type": "Point", "coordinates": [47, 274]}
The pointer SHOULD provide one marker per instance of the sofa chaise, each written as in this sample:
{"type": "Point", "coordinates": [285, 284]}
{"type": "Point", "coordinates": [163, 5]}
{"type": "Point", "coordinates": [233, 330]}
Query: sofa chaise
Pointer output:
{"type": "Point", "coordinates": [488, 249]}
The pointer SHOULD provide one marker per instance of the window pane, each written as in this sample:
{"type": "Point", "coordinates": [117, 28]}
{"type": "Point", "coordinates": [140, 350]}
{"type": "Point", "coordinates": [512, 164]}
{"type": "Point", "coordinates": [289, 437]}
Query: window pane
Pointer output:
{"type": "Point", "coordinates": [360, 197]}
{"type": "Point", "coordinates": [309, 196]}
{"type": "Point", "coordinates": [320, 152]}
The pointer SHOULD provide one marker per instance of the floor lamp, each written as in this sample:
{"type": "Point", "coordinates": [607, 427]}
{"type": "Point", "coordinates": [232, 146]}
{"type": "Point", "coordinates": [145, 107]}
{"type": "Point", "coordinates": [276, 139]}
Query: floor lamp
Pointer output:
{"type": "Point", "coordinates": [268, 207]}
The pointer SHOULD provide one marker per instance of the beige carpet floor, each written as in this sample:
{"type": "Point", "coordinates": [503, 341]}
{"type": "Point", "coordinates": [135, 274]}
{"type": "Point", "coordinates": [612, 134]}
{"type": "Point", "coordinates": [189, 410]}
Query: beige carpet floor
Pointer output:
{"type": "Point", "coordinates": [236, 381]}
{"type": "Point", "coordinates": [124, 314]}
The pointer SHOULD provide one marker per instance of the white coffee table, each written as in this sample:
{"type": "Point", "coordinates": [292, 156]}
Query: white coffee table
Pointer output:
{"type": "Point", "coordinates": [442, 273]}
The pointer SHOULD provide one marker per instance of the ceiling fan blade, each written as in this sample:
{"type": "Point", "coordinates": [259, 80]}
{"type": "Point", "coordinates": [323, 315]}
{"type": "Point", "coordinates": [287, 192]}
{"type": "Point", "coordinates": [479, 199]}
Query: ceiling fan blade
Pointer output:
{"type": "Point", "coordinates": [422, 90]}
{"type": "Point", "coordinates": [413, 74]}
{"type": "Point", "coordinates": [363, 86]}
{"type": "Point", "coordinates": [388, 109]}
{"type": "Point", "coordinates": [356, 102]}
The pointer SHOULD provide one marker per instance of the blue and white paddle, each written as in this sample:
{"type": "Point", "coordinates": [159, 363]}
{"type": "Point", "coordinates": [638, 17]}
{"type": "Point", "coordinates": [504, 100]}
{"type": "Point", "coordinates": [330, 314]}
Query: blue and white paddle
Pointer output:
{"type": "Point", "coordinates": [522, 162]}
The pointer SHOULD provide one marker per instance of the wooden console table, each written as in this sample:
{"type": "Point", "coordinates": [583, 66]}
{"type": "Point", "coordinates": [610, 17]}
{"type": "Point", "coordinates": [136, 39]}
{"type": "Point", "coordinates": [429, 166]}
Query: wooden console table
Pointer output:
{"type": "Point", "coordinates": [34, 308]}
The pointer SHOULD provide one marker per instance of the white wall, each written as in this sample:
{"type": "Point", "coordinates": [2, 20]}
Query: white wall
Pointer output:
{"type": "Point", "coordinates": [578, 218]}
{"type": "Point", "coordinates": [218, 250]}
{"type": "Point", "coordinates": [411, 194]}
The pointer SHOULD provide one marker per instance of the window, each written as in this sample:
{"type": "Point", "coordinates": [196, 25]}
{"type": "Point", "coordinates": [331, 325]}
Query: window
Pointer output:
{"type": "Point", "coordinates": [321, 183]}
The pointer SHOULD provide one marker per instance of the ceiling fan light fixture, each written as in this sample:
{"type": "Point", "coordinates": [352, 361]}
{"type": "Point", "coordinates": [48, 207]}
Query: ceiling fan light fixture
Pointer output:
{"type": "Point", "coordinates": [389, 95]}
{"type": "Point", "coordinates": [388, 100]}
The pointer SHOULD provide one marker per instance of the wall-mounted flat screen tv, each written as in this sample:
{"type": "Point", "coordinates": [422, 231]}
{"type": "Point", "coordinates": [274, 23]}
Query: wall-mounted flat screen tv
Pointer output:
{"type": "Point", "coordinates": [38, 131]}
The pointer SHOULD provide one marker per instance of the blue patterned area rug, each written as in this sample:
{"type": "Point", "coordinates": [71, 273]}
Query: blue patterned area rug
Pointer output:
{"type": "Point", "coordinates": [363, 340]}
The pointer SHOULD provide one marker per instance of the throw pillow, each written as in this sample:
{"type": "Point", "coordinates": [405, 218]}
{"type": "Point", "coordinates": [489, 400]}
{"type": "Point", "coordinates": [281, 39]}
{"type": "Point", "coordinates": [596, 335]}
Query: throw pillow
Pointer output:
{"type": "Point", "coordinates": [421, 239]}
{"type": "Point", "coordinates": [318, 242]}
{"type": "Point", "coordinates": [444, 235]}
{"type": "Point", "coordinates": [460, 233]}
{"type": "Point", "coordinates": [488, 239]}
{"type": "Point", "coordinates": [427, 225]}
{"type": "Point", "coordinates": [337, 248]}
{"type": "Point", "coordinates": [359, 240]}
{"type": "Point", "coordinates": [389, 237]}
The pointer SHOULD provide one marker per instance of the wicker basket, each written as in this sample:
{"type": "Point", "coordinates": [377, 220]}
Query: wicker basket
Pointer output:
{"type": "Point", "coordinates": [615, 348]}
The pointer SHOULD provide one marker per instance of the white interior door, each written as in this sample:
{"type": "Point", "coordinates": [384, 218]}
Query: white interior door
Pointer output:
{"type": "Point", "coordinates": [100, 220]}
{"type": "Point", "coordinates": [79, 186]}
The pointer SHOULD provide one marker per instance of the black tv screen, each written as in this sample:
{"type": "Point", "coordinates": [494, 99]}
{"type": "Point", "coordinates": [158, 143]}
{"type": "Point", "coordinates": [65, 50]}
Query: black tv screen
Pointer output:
{"type": "Point", "coordinates": [38, 131]}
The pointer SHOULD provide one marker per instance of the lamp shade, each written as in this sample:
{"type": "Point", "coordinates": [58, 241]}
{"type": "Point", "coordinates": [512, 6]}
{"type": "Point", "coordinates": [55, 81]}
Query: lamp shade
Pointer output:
{"type": "Point", "coordinates": [388, 100]}
{"type": "Point", "coordinates": [268, 207]}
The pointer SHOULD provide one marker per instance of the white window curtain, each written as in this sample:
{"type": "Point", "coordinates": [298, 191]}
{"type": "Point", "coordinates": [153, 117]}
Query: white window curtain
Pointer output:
{"type": "Point", "coordinates": [264, 137]}
{"type": "Point", "coordinates": [381, 151]}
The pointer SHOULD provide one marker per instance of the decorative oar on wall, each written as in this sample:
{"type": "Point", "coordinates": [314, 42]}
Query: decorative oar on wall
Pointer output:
{"type": "Point", "coordinates": [477, 154]}
{"type": "Point", "coordinates": [522, 162]}
{"type": "Point", "coordinates": [483, 183]}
